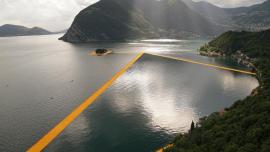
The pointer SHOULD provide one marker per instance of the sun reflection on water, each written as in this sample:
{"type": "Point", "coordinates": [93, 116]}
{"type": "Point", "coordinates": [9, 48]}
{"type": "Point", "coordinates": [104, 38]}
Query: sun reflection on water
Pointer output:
{"type": "Point", "coordinates": [159, 104]}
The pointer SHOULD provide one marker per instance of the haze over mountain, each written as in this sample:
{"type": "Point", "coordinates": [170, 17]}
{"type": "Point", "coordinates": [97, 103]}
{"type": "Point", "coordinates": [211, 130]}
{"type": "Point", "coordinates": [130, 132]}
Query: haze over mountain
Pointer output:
{"type": "Point", "coordinates": [256, 17]}
{"type": "Point", "coordinates": [17, 30]}
{"type": "Point", "coordinates": [208, 10]}
{"type": "Point", "coordinates": [134, 19]}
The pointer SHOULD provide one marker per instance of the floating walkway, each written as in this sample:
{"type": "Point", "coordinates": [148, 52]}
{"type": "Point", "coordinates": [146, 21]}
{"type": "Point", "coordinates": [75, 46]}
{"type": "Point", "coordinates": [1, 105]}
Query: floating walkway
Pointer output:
{"type": "Point", "coordinates": [164, 148]}
{"type": "Point", "coordinates": [204, 64]}
{"type": "Point", "coordinates": [54, 132]}
{"type": "Point", "coordinates": [192, 61]}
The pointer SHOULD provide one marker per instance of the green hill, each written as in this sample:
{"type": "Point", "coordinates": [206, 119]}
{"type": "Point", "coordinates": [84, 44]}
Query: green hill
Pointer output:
{"type": "Point", "coordinates": [253, 44]}
{"type": "Point", "coordinates": [245, 126]}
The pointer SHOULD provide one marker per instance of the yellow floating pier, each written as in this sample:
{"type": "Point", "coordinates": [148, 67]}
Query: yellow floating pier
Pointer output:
{"type": "Point", "coordinates": [204, 64]}
{"type": "Point", "coordinates": [164, 148]}
{"type": "Point", "coordinates": [52, 134]}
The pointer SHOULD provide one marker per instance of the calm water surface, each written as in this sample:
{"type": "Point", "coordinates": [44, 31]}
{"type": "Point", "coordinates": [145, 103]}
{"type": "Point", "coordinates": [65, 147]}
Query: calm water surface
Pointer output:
{"type": "Point", "coordinates": [42, 80]}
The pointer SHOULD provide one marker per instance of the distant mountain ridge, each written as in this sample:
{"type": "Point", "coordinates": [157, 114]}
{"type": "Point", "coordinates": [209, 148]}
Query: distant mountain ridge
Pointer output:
{"type": "Point", "coordinates": [137, 19]}
{"type": "Point", "coordinates": [210, 11]}
{"type": "Point", "coordinates": [17, 30]}
{"type": "Point", "coordinates": [254, 18]}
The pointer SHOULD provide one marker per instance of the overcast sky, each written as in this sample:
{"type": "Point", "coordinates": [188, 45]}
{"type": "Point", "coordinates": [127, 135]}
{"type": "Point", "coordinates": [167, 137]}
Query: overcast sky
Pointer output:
{"type": "Point", "coordinates": [58, 14]}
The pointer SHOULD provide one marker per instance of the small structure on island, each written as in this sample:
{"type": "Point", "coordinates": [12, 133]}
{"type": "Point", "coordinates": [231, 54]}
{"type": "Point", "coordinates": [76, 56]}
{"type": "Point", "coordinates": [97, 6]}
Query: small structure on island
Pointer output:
{"type": "Point", "coordinates": [100, 52]}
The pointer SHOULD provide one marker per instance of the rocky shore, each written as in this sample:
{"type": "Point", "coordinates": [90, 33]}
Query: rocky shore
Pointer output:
{"type": "Point", "coordinates": [239, 57]}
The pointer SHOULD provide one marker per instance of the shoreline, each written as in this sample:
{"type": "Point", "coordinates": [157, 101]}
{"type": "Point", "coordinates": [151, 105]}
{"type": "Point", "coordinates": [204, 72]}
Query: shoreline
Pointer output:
{"type": "Point", "coordinates": [240, 59]}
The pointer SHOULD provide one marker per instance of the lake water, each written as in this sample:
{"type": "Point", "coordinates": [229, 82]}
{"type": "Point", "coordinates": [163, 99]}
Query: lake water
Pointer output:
{"type": "Point", "coordinates": [42, 80]}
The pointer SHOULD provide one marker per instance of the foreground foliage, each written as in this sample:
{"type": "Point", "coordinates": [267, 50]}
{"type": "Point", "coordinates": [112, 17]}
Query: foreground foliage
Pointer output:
{"type": "Point", "coordinates": [244, 127]}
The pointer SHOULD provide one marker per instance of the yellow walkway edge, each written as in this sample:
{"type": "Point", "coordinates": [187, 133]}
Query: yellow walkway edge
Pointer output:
{"type": "Point", "coordinates": [53, 133]}
{"type": "Point", "coordinates": [204, 64]}
{"type": "Point", "coordinates": [164, 148]}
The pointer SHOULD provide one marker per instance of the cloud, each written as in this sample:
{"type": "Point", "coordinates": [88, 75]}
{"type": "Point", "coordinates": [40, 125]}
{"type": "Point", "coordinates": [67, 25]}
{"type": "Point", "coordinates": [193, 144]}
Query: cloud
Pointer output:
{"type": "Point", "coordinates": [233, 3]}
{"type": "Point", "coordinates": [50, 14]}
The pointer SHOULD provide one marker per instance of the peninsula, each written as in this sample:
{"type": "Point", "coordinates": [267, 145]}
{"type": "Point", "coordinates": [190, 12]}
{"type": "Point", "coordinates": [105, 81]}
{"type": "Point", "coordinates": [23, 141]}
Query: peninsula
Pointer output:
{"type": "Point", "coordinates": [245, 126]}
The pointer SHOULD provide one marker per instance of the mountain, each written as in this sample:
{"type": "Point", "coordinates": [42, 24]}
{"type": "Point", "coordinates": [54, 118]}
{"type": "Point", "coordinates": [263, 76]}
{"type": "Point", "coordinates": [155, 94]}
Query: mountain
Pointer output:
{"type": "Point", "coordinates": [137, 19]}
{"type": "Point", "coordinates": [245, 126]}
{"type": "Point", "coordinates": [252, 44]}
{"type": "Point", "coordinates": [17, 30]}
{"type": "Point", "coordinates": [213, 13]}
{"type": "Point", "coordinates": [256, 17]}
{"type": "Point", "coordinates": [253, 17]}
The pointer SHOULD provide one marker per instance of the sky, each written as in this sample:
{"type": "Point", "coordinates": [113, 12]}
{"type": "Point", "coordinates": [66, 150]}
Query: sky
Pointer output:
{"type": "Point", "coordinates": [53, 15]}
{"type": "Point", "coordinates": [56, 15]}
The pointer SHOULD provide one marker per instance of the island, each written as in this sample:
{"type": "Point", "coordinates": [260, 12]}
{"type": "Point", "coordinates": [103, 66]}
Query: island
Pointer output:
{"type": "Point", "coordinates": [100, 52]}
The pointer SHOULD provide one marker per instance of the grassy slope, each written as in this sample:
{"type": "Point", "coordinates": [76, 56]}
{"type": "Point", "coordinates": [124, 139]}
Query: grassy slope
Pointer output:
{"type": "Point", "coordinates": [244, 127]}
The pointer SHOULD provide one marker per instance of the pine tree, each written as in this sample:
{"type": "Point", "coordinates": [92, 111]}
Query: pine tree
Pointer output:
{"type": "Point", "coordinates": [192, 126]}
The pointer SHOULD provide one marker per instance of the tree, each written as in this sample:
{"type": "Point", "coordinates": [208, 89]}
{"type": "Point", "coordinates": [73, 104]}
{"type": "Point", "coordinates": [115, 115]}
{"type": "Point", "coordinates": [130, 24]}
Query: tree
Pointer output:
{"type": "Point", "coordinates": [192, 126]}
